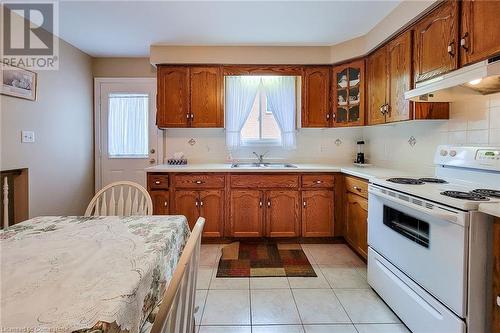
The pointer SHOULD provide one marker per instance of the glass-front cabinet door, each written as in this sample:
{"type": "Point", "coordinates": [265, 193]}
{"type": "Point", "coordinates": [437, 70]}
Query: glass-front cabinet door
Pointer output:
{"type": "Point", "coordinates": [348, 94]}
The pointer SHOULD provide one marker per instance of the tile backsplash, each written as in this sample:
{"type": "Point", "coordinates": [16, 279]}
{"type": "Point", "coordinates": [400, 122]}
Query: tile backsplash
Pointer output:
{"type": "Point", "coordinates": [406, 145]}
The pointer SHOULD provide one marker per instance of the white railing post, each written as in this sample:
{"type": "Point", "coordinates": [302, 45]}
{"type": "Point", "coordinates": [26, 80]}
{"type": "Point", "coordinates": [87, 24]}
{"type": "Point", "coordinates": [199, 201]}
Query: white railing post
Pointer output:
{"type": "Point", "coordinates": [5, 203]}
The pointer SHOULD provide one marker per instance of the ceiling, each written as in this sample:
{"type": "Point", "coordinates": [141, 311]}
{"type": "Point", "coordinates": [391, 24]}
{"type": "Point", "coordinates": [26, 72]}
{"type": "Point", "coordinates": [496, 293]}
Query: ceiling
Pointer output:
{"type": "Point", "coordinates": [128, 28]}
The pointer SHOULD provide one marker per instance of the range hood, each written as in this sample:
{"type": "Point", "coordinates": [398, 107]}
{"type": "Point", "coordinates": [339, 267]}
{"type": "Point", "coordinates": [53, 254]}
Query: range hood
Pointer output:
{"type": "Point", "coordinates": [482, 78]}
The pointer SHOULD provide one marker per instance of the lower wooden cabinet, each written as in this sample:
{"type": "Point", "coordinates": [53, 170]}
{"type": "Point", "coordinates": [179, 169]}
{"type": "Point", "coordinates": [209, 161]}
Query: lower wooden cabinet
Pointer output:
{"type": "Point", "coordinates": [282, 214]}
{"type": "Point", "coordinates": [246, 213]}
{"type": "Point", "coordinates": [317, 213]}
{"type": "Point", "coordinates": [206, 203]}
{"type": "Point", "coordinates": [357, 223]}
{"type": "Point", "coordinates": [160, 202]}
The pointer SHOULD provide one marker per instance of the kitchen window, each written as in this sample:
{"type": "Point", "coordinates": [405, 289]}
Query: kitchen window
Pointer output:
{"type": "Point", "coordinates": [260, 110]}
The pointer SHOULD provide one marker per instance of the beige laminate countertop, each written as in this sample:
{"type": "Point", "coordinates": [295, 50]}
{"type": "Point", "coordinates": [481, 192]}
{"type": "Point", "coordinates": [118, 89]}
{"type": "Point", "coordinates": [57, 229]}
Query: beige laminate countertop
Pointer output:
{"type": "Point", "coordinates": [366, 172]}
{"type": "Point", "coordinates": [490, 208]}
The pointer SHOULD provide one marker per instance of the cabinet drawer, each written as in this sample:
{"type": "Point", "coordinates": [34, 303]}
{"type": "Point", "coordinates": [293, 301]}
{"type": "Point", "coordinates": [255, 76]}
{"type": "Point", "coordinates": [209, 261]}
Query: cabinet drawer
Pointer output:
{"type": "Point", "coordinates": [320, 181]}
{"type": "Point", "coordinates": [264, 181]}
{"type": "Point", "coordinates": [356, 186]}
{"type": "Point", "coordinates": [157, 181]}
{"type": "Point", "coordinates": [197, 180]}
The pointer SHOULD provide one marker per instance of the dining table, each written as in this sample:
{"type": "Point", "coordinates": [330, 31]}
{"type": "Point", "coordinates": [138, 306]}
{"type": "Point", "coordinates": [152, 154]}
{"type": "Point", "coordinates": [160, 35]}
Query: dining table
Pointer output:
{"type": "Point", "coordinates": [87, 274]}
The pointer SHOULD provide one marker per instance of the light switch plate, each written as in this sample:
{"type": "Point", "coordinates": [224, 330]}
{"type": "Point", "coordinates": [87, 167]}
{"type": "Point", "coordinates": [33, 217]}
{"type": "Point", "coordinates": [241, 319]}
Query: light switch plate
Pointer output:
{"type": "Point", "coordinates": [27, 136]}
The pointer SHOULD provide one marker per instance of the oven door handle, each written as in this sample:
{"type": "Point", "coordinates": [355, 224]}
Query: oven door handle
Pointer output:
{"type": "Point", "coordinates": [443, 216]}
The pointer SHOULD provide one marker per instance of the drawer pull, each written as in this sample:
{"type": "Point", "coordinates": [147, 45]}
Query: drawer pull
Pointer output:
{"type": "Point", "coordinates": [498, 300]}
{"type": "Point", "coordinates": [198, 182]}
{"type": "Point", "coordinates": [157, 182]}
{"type": "Point", "coordinates": [318, 181]}
{"type": "Point", "coordinates": [357, 188]}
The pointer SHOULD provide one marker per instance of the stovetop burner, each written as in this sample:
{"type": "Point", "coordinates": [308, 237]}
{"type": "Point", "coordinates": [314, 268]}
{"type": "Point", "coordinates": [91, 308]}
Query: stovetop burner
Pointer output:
{"type": "Point", "coordinates": [406, 181]}
{"type": "Point", "coordinates": [487, 192]}
{"type": "Point", "coordinates": [465, 195]}
{"type": "Point", "coordinates": [433, 180]}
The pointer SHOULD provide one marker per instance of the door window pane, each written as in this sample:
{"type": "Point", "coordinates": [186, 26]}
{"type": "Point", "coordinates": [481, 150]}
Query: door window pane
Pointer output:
{"type": "Point", "coordinates": [128, 125]}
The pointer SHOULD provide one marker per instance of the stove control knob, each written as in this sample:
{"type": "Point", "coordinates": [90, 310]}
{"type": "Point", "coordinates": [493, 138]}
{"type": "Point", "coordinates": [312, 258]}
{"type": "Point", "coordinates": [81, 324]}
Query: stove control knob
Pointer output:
{"type": "Point", "coordinates": [453, 153]}
{"type": "Point", "coordinates": [443, 152]}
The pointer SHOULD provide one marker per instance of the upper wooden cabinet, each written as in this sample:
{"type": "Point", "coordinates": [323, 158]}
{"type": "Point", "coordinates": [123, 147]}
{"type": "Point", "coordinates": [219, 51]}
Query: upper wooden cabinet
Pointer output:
{"type": "Point", "coordinates": [480, 32]}
{"type": "Point", "coordinates": [348, 90]}
{"type": "Point", "coordinates": [377, 86]}
{"type": "Point", "coordinates": [172, 96]}
{"type": "Point", "coordinates": [436, 42]}
{"type": "Point", "coordinates": [206, 97]}
{"type": "Point", "coordinates": [389, 76]}
{"type": "Point", "coordinates": [400, 80]}
{"type": "Point", "coordinates": [316, 97]}
{"type": "Point", "coordinates": [189, 96]}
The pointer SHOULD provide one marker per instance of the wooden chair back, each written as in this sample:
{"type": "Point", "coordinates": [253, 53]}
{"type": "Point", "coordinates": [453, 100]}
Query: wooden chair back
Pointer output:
{"type": "Point", "coordinates": [176, 313]}
{"type": "Point", "coordinates": [120, 199]}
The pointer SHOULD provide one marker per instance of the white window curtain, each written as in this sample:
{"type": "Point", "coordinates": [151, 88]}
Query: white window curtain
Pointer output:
{"type": "Point", "coordinates": [280, 93]}
{"type": "Point", "coordinates": [240, 96]}
{"type": "Point", "coordinates": [128, 125]}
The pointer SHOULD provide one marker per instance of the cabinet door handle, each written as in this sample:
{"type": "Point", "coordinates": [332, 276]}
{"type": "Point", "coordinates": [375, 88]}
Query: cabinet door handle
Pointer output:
{"type": "Point", "coordinates": [498, 300]}
{"type": "Point", "coordinates": [187, 115]}
{"type": "Point", "coordinates": [451, 48]}
{"type": "Point", "coordinates": [463, 42]}
{"type": "Point", "coordinates": [268, 203]}
{"type": "Point", "coordinates": [201, 203]}
{"type": "Point", "coordinates": [192, 115]}
{"type": "Point", "coordinates": [328, 116]}
{"type": "Point", "coordinates": [165, 204]}
{"type": "Point", "coordinates": [196, 203]}
{"type": "Point", "coordinates": [304, 204]}
{"type": "Point", "coordinates": [260, 203]}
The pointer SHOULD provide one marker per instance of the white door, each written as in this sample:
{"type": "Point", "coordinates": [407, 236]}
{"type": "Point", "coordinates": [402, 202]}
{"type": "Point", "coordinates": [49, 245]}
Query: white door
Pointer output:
{"type": "Point", "coordinates": [127, 139]}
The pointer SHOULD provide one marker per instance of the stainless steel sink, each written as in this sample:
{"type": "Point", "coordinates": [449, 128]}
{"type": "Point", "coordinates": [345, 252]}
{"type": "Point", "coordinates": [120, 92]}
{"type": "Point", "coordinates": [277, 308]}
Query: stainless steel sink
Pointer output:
{"type": "Point", "coordinates": [264, 165]}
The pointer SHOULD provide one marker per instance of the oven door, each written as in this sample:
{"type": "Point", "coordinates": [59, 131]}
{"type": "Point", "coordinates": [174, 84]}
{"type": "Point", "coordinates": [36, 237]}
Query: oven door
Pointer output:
{"type": "Point", "coordinates": [426, 241]}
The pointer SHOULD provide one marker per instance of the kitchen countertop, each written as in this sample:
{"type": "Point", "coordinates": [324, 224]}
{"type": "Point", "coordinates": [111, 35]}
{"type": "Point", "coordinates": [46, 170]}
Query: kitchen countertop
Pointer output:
{"type": "Point", "coordinates": [366, 172]}
{"type": "Point", "coordinates": [490, 208]}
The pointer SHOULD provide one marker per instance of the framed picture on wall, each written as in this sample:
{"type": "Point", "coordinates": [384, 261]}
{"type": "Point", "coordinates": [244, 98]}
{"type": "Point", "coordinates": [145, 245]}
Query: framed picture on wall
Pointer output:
{"type": "Point", "coordinates": [18, 82]}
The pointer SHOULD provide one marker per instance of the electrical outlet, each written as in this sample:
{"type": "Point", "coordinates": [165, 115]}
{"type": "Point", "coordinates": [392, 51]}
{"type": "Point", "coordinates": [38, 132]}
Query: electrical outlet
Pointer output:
{"type": "Point", "coordinates": [27, 136]}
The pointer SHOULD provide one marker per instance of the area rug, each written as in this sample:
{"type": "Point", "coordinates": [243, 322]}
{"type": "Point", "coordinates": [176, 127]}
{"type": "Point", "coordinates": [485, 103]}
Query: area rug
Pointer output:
{"type": "Point", "coordinates": [240, 259]}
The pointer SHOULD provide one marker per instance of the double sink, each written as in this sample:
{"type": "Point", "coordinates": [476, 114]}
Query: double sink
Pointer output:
{"type": "Point", "coordinates": [263, 165]}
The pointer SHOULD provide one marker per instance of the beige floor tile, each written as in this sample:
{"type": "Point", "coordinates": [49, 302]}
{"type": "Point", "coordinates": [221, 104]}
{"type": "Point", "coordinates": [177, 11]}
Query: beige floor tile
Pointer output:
{"type": "Point", "coordinates": [273, 306]}
{"type": "Point", "coordinates": [318, 282]}
{"type": "Point", "coordinates": [269, 283]}
{"type": "Point", "coordinates": [204, 277]}
{"type": "Point", "coordinates": [209, 254]}
{"type": "Point", "coordinates": [344, 277]}
{"type": "Point", "coordinates": [363, 271]}
{"type": "Point", "coordinates": [199, 305]}
{"type": "Point", "coordinates": [278, 329]}
{"type": "Point", "coordinates": [227, 307]}
{"type": "Point", "coordinates": [382, 328]}
{"type": "Point", "coordinates": [225, 329]}
{"type": "Point", "coordinates": [335, 254]}
{"type": "Point", "coordinates": [334, 328]}
{"type": "Point", "coordinates": [319, 306]}
{"type": "Point", "coordinates": [364, 306]}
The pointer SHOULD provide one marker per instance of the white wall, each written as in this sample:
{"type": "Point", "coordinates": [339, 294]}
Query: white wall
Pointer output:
{"type": "Point", "coordinates": [474, 121]}
{"type": "Point", "coordinates": [60, 162]}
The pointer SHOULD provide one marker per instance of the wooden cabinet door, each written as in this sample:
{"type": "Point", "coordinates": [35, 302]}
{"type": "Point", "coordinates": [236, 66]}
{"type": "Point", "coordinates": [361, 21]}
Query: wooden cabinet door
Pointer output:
{"type": "Point", "coordinates": [316, 97]}
{"type": "Point", "coordinates": [246, 213]}
{"type": "Point", "coordinates": [436, 42]}
{"type": "Point", "coordinates": [480, 37]}
{"type": "Point", "coordinates": [172, 96]}
{"type": "Point", "coordinates": [377, 85]}
{"type": "Point", "coordinates": [160, 202]}
{"type": "Point", "coordinates": [282, 213]}
{"type": "Point", "coordinates": [400, 77]}
{"type": "Point", "coordinates": [317, 213]}
{"type": "Point", "coordinates": [212, 209]}
{"type": "Point", "coordinates": [357, 223]}
{"type": "Point", "coordinates": [187, 204]}
{"type": "Point", "coordinates": [495, 316]}
{"type": "Point", "coordinates": [348, 90]}
{"type": "Point", "coordinates": [206, 92]}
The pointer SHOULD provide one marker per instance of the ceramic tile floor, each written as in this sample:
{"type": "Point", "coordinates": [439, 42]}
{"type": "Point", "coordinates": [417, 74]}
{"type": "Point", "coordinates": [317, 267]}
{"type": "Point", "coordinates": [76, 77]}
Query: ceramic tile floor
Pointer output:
{"type": "Point", "coordinates": [339, 300]}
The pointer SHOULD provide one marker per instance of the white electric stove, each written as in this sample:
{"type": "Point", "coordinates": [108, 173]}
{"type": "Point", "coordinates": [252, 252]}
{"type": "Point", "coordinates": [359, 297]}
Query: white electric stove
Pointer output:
{"type": "Point", "coordinates": [428, 244]}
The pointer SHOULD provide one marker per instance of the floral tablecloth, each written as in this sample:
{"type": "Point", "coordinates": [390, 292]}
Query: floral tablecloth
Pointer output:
{"type": "Point", "coordinates": [61, 274]}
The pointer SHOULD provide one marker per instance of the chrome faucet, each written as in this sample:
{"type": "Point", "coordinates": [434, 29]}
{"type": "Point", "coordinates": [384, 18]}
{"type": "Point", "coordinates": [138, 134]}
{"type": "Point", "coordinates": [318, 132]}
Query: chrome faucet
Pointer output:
{"type": "Point", "coordinates": [260, 157]}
